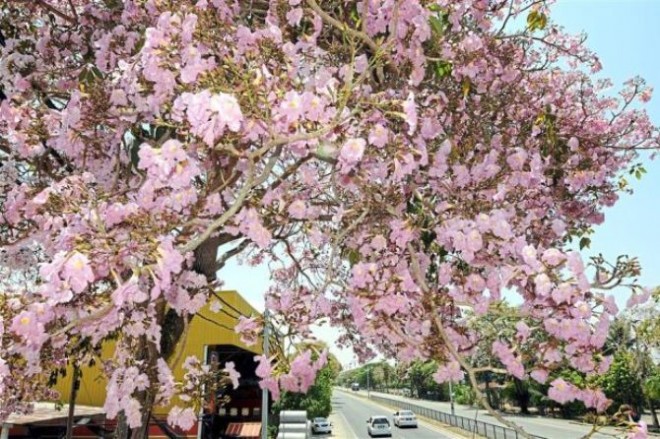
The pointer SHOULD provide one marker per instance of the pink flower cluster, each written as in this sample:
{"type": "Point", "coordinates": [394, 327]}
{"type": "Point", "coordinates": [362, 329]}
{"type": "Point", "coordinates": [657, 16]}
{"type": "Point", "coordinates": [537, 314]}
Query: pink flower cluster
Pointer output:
{"type": "Point", "coordinates": [564, 392]}
{"type": "Point", "coordinates": [300, 377]}
{"type": "Point", "coordinates": [450, 371]}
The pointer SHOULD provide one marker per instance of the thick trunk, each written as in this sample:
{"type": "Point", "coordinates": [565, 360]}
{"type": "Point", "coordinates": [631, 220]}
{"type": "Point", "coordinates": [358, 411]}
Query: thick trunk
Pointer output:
{"type": "Point", "coordinates": [173, 326]}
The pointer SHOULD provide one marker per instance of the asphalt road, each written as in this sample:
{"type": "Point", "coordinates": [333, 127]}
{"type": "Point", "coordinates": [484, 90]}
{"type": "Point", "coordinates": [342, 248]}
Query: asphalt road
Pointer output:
{"type": "Point", "coordinates": [353, 412]}
{"type": "Point", "coordinates": [542, 426]}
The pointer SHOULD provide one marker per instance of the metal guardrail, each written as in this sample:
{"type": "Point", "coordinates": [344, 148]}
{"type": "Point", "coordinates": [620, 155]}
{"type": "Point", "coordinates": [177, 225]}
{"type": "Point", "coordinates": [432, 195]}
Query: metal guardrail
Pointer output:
{"type": "Point", "coordinates": [485, 429]}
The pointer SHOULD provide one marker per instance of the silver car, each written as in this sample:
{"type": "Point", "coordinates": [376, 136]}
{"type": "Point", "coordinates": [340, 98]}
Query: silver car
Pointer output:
{"type": "Point", "coordinates": [379, 426]}
{"type": "Point", "coordinates": [321, 425]}
{"type": "Point", "coordinates": [405, 418]}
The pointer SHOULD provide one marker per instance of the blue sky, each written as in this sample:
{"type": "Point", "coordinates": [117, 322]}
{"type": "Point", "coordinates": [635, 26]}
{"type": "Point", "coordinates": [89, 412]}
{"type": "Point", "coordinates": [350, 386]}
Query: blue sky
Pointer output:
{"type": "Point", "coordinates": [626, 36]}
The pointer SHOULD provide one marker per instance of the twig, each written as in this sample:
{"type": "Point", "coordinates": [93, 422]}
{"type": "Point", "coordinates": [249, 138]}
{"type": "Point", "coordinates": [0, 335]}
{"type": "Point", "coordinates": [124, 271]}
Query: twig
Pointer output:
{"type": "Point", "coordinates": [343, 27]}
{"type": "Point", "coordinates": [89, 318]}
{"type": "Point", "coordinates": [55, 11]}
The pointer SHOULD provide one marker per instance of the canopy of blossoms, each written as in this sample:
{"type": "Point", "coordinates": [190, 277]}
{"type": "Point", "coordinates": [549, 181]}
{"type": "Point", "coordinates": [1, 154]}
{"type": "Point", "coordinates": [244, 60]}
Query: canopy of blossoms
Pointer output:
{"type": "Point", "coordinates": [395, 162]}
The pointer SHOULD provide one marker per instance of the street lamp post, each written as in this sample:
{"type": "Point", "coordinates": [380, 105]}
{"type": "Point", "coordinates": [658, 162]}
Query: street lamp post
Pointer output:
{"type": "Point", "coordinates": [264, 391]}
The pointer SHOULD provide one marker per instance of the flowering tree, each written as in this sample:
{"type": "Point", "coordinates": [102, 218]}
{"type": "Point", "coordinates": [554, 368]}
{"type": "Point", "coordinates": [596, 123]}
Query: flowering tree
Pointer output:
{"type": "Point", "coordinates": [393, 161]}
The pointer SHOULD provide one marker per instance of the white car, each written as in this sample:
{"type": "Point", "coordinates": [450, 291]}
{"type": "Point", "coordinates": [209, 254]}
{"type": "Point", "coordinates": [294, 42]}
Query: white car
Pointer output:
{"type": "Point", "coordinates": [405, 418]}
{"type": "Point", "coordinates": [321, 425]}
{"type": "Point", "coordinates": [379, 426]}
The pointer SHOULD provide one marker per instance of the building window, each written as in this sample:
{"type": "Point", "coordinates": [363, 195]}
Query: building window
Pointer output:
{"type": "Point", "coordinates": [233, 411]}
{"type": "Point", "coordinates": [256, 412]}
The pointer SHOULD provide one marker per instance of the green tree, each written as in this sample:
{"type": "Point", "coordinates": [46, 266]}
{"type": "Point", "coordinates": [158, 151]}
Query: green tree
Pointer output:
{"type": "Point", "coordinates": [622, 383]}
{"type": "Point", "coordinates": [318, 399]}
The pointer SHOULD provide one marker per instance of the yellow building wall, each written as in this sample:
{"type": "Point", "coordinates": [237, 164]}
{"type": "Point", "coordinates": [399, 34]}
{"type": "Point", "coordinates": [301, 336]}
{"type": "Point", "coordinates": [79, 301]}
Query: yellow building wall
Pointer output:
{"type": "Point", "coordinates": [201, 332]}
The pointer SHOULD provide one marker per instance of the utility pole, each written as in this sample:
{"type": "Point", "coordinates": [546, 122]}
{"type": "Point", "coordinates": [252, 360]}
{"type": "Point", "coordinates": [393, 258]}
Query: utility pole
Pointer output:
{"type": "Point", "coordinates": [368, 385]}
{"type": "Point", "coordinates": [264, 391]}
{"type": "Point", "coordinates": [75, 383]}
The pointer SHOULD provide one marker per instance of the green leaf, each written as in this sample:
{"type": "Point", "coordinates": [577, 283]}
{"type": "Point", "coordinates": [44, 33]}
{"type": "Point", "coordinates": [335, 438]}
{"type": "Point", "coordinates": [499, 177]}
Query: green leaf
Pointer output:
{"type": "Point", "coordinates": [465, 86]}
{"type": "Point", "coordinates": [353, 256]}
{"type": "Point", "coordinates": [89, 75]}
{"type": "Point", "coordinates": [536, 20]}
{"type": "Point", "coordinates": [585, 243]}
{"type": "Point", "coordinates": [437, 25]}
{"type": "Point", "coordinates": [442, 69]}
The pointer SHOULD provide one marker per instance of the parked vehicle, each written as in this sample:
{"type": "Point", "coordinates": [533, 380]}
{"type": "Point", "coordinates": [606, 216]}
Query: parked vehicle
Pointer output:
{"type": "Point", "coordinates": [321, 425]}
{"type": "Point", "coordinates": [379, 426]}
{"type": "Point", "coordinates": [405, 418]}
{"type": "Point", "coordinates": [355, 387]}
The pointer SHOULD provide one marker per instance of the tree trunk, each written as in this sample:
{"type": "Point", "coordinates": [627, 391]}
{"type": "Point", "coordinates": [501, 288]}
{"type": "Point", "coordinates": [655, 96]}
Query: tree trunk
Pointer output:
{"type": "Point", "coordinates": [121, 431]}
{"type": "Point", "coordinates": [75, 383]}
{"type": "Point", "coordinates": [146, 399]}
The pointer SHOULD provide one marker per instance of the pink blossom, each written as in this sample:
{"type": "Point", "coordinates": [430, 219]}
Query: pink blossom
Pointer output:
{"type": "Point", "coordinates": [210, 114]}
{"type": "Point", "coordinates": [562, 392]}
{"type": "Point", "coordinates": [233, 374]}
{"type": "Point", "coordinates": [543, 284]}
{"type": "Point", "coordinates": [539, 375]}
{"type": "Point", "coordinates": [292, 106]}
{"type": "Point", "coordinates": [379, 242]}
{"type": "Point", "coordinates": [314, 105]}
{"type": "Point", "coordinates": [450, 371]}
{"type": "Point", "coordinates": [77, 272]}
{"type": "Point", "coordinates": [298, 209]}
{"type": "Point", "coordinates": [474, 241]}
{"type": "Point", "coordinates": [250, 225]}
{"type": "Point", "coordinates": [528, 254]}
{"type": "Point", "coordinates": [271, 385]}
{"type": "Point", "coordinates": [294, 16]}
{"type": "Point", "coordinates": [352, 151]}
{"type": "Point", "coordinates": [183, 418]}
{"type": "Point", "coordinates": [118, 97]}
{"type": "Point", "coordinates": [595, 399]}
{"type": "Point", "coordinates": [215, 306]}
{"type": "Point", "coordinates": [264, 369]}
{"type": "Point", "coordinates": [27, 325]}
{"type": "Point", "coordinates": [553, 257]}
{"type": "Point", "coordinates": [248, 329]}
{"type": "Point", "coordinates": [638, 298]}
{"type": "Point", "coordinates": [639, 431]}
{"type": "Point", "coordinates": [410, 112]}
{"type": "Point", "coordinates": [510, 361]}
{"type": "Point", "coordinates": [378, 136]}
{"type": "Point", "coordinates": [523, 331]}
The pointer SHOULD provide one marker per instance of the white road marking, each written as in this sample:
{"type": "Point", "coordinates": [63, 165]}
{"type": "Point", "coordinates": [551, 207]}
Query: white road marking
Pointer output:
{"type": "Point", "coordinates": [347, 424]}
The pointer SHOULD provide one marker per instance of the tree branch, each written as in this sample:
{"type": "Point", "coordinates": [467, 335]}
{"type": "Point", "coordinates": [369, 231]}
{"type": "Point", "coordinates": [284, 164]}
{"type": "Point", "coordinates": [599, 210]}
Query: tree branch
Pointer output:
{"type": "Point", "coordinates": [419, 277]}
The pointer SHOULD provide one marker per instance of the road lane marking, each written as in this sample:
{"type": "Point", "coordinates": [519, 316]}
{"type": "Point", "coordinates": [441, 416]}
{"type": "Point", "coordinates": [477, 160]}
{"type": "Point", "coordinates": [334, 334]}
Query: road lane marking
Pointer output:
{"type": "Point", "coordinates": [347, 424]}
